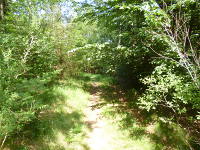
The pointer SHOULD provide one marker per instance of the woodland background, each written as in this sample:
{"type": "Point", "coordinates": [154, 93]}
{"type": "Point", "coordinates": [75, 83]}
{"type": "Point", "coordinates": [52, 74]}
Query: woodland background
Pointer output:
{"type": "Point", "coordinates": [151, 48]}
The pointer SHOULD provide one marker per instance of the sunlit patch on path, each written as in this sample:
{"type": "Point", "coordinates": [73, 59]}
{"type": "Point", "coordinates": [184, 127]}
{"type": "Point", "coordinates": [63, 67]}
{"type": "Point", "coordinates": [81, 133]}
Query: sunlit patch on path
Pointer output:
{"type": "Point", "coordinates": [97, 138]}
{"type": "Point", "coordinates": [104, 133]}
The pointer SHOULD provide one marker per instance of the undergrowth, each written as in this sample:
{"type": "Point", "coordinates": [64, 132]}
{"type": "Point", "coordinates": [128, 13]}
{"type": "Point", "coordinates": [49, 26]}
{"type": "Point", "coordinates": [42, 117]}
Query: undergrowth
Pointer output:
{"type": "Point", "coordinates": [61, 126]}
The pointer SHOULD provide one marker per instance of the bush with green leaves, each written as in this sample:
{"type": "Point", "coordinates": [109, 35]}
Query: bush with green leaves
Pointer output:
{"type": "Point", "coordinates": [169, 90]}
{"type": "Point", "coordinates": [24, 78]}
{"type": "Point", "coordinates": [29, 63]}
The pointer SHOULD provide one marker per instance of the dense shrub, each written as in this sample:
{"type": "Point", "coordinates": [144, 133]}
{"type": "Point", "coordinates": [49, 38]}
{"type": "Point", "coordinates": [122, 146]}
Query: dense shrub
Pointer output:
{"type": "Point", "coordinates": [28, 60]}
{"type": "Point", "coordinates": [168, 90]}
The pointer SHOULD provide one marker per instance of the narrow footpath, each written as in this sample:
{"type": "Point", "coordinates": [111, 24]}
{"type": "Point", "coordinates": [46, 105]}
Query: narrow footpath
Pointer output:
{"type": "Point", "coordinates": [105, 132]}
{"type": "Point", "coordinates": [97, 139]}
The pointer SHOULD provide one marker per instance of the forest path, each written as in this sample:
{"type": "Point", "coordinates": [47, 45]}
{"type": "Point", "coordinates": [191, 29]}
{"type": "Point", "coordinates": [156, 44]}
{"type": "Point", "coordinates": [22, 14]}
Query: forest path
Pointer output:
{"type": "Point", "coordinates": [102, 117]}
{"type": "Point", "coordinates": [97, 139]}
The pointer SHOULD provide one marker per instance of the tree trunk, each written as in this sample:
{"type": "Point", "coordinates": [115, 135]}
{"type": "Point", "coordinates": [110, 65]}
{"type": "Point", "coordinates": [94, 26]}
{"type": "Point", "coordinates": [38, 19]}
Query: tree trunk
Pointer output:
{"type": "Point", "coordinates": [3, 4]}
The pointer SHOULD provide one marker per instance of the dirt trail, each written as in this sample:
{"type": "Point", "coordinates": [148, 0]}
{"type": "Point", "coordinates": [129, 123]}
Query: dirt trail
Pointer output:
{"type": "Point", "coordinates": [97, 139]}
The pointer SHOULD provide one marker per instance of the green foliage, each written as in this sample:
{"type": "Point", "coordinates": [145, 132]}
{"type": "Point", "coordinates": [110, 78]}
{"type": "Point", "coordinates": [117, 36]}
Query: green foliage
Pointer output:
{"type": "Point", "coordinates": [167, 89]}
{"type": "Point", "coordinates": [150, 46]}
{"type": "Point", "coordinates": [153, 48]}
{"type": "Point", "coordinates": [28, 65]}
{"type": "Point", "coordinates": [144, 31]}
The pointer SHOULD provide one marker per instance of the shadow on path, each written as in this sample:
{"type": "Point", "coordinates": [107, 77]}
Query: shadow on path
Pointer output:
{"type": "Point", "coordinates": [139, 123]}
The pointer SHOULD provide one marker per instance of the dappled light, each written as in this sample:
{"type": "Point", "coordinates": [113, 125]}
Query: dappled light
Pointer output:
{"type": "Point", "coordinates": [99, 75]}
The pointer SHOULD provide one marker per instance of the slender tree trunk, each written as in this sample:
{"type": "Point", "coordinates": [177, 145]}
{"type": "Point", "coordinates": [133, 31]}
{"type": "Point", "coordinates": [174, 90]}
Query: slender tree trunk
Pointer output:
{"type": "Point", "coordinates": [1, 9]}
{"type": "Point", "coordinates": [3, 4]}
